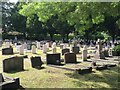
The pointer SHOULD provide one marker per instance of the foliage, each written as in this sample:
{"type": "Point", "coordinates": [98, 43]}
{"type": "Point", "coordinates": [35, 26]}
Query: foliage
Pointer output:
{"type": "Point", "coordinates": [116, 48]}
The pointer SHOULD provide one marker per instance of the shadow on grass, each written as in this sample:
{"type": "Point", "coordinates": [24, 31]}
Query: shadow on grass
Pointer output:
{"type": "Point", "coordinates": [16, 71]}
{"type": "Point", "coordinates": [39, 68]}
{"type": "Point", "coordinates": [98, 79]}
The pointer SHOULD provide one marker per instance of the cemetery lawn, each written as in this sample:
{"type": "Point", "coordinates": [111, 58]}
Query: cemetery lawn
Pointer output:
{"type": "Point", "coordinates": [50, 77]}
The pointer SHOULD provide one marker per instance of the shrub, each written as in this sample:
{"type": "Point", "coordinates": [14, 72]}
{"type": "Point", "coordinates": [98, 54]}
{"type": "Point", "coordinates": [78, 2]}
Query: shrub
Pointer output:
{"type": "Point", "coordinates": [116, 48]}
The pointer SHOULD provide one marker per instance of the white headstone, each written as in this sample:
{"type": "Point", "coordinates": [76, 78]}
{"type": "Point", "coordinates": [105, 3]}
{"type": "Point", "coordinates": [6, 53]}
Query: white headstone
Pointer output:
{"type": "Point", "coordinates": [25, 45]}
{"type": "Point", "coordinates": [38, 45]}
{"type": "Point", "coordinates": [33, 49]}
{"type": "Point", "coordinates": [84, 53]}
{"type": "Point", "coordinates": [7, 44]}
{"type": "Point", "coordinates": [44, 48]}
{"type": "Point", "coordinates": [21, 50]}
{"type": "Point", "coordinates": [54, 47]}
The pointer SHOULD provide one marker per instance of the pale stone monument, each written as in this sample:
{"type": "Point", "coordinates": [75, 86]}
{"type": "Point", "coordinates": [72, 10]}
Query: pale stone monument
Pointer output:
{"type": "Point", "coordinates": [44, 48]}
{"type": "Point", "coordinates": [47, 45]}
{"type": "Point", "coordinates": [7, 44]}
{"type": "Point", "coordinates": [99, 53]}
{"type": "Point", "coordinates": [33, 49]}
{"type": "Point", "coordinates": [21, 50]}
{"type": "Point", "coordinates": [54, 47]}
{"type": "Point", "coordinates": [84, 53]}
{"type": "Point", "coordinates": [38, 45]}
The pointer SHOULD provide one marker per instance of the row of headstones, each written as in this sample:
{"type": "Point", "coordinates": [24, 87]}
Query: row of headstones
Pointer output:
{"type": "Point", "coordinates": [17, 63]}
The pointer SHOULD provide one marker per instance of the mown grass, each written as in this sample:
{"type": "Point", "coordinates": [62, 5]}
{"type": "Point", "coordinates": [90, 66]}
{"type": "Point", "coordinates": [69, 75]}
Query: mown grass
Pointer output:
{"type": "Point", "coordinates": [50, 77]}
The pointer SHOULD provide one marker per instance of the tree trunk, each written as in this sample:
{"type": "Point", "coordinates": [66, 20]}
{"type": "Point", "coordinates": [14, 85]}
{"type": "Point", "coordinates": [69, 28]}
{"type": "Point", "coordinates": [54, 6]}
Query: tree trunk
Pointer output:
{"type": "Point", "coordinates": [51, 36]}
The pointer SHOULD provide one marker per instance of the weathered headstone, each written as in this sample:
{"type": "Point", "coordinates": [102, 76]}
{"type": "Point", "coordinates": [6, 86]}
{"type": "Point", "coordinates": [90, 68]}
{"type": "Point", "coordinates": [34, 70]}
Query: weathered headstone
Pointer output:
{"type": "Point", "coordinates": [36, 62]}
{"type": "Point", "coordinates": [13, 64]}
{"type": "Point", "coordinates": [21, 50]}
{"type": "Point", "coordinates": [38, 45]}
{"type": "Point", "coordinates": [54, 48]}
{"type": "Point", "coordinates": [99, 53]}
{"type": "Point", "coordinates": [65, 51]}
{"type": "Point", "coordinates": [106, 52]}
{"type": "Point", "coordinates": [25, 45]}
{"type": "Point", "coordinates": [33, 49]}
{"type": "Point", "coordinates": [53, 59]}
{"type": "Point", "coordinates": [7, 44]}
{"type": "Point", "coordinates": [47, 44]}
{"type": "Point", "coordinates": [75, 50]}
{"type": "Point", "coordinates": [0, 43]}
{"type": "Point", "coordinates": [70, 58]}
{"type": "Point", "coordinates": [28, 46]}
{"type": "Point", "coordinates": [84, 53]}
{"type": "Point", "coordinates": [44, 48]}
{"type": "Point", "coordinates": [7, 51]}
{"type": "Point", "coordinates": [65, 46]}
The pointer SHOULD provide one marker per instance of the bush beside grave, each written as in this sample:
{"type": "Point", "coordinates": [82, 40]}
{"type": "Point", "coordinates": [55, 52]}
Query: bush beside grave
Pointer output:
{"type": "Point", "coordinates": [116, 50]}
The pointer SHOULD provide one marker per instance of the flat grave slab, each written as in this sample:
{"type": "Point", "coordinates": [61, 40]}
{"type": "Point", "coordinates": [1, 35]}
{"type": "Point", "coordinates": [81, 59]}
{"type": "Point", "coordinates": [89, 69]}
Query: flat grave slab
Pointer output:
{"type": "Point", "coordinates": [79, 69]}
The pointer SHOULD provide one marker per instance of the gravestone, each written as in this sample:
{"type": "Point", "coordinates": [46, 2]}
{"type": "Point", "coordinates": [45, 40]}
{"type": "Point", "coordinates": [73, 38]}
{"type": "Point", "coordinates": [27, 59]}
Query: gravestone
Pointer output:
{"type": "Point", "coordinates": [25, 45]}
{"type": "Point", "coordinates": [7, 51]}
{"type": "Point", "coordinates": [110, 52]}
{"type": "Point", "coordinates": [65, 51]}
{"type": "Point", "coordinates": [21, 50]}
{"type": "Point", "coordinates": [84, 53]}
{"type": "Point", "coordinates": [44, 48]}
{"type": "Point", "coordinates": [28, 46]}
{"type": "Point", "coordinates": [38, 45]}
{"type": "Point", "coordinates": [65, 46]}
{"type": "Point", "coordinates": [47, 45]}
{"type": "Point", "coordinates": [70, 58]}
{"type": "Point", "coordinates": [0, 43]}
{"type": "Point", "coordinates": [36, 62]}
{"type": "Point", "coordinates": [7, 43]}
{"type": "Point", "coordinates": [99, 53]}
{"type": "Point", "coordinates": [53, 59]}
{"type": "Point", "coordinates": [106, 52]}
{"type": "Point", "coordinates": [75, 50]}
{"type": "Point", "coordinates": [54, 48]}
{"type": "Point", "coordinates": [61, 46]}
{"type": "Point", "coordinates": [33, 49]}
{"type": "Point", "coordinates": [13, 64]}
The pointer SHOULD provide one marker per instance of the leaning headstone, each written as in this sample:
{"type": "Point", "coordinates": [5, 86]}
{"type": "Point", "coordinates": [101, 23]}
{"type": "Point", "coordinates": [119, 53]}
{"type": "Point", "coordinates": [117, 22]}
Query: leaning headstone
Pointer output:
{"type": "Point", "coordinates": [65, 51]}
{"type": "Point", "coordinates": [13, 64]}
{"type": "Point", "coordinates": [33, 49]}
{"type": "Point", "coordinates": [21, 50]}
{"type": "Point", "coordinates": [84, 53]}
{"type": "Point", "coordinates": [75, 50]}
{"type": "Point", "coordinates": [70, 58]}
{"type": "Point", "coordinates": [53, 59]}
{"type": "Point", "coordinates": [99, 53]}
{"type": "Point", "coordinates": [36, 62]}
{"type": "Point", "coordinates": [7, 51]}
